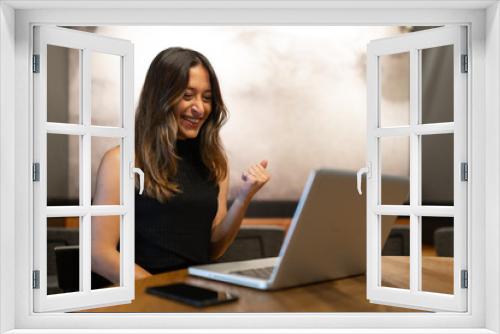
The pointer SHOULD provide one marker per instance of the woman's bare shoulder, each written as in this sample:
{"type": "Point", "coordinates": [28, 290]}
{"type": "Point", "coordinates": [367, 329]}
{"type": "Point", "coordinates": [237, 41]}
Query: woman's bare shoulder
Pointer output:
{"type": "Point", "coordinates": [111, 158]}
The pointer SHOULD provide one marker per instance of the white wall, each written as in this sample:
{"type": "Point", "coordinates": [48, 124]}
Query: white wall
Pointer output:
{"type": "Point", "coordinates": [7, 167]}
{"type": "Point", "coordinates": [296, 95]}
{"type": "Point", "coordinates": [492, 185]}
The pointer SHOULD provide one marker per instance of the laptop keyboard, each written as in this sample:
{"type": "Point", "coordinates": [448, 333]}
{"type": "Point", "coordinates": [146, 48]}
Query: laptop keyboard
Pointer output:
{"type": "Point", "coordinates": [264, 272]}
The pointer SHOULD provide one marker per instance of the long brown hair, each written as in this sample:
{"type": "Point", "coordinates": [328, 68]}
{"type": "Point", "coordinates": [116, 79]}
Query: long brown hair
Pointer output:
{"type": "Point", "coordinates": [156, 125]}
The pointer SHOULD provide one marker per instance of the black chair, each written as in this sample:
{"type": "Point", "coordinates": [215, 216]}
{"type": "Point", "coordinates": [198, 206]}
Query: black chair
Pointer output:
{"type": "Point", "coordinates": [253, 242]}
{"type": "Point", "coordinates": [270, 208]}
{"type": "Point", "coordinates": [57, 237]}
{"type": "Point", "coordinates": [68, 270]}
{"type": "Point", "coordinates": [398, 242]}
{"type": "Point", "coordinates": [443, 241]}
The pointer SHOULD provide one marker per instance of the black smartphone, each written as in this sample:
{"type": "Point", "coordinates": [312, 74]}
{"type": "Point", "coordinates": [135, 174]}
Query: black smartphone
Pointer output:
{"type": "Point", "coordinates": [192, 295]}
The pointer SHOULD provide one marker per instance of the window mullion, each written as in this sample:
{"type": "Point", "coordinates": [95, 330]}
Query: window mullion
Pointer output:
{"type": "Point", "coordinates": [80, 130]}
{"type": "Point", "coordinates": [418, 210]}
{"type": "Point", "coordinates": [80, 211]}
{"type": "Point", "coordinates": [419, 129]}
{"type": "Point", "coordinates": [85, 172]}
{"type": "Point", "coordinates": [434, 128]}
{"type": "Point", "coordinates": [415, 170]}
{"type": "Point", "coordinates": [65, 129]}
{"type": "Point", "coordinates": [127, 180]}
{"type": "Point", "coordinates": [106, 131]}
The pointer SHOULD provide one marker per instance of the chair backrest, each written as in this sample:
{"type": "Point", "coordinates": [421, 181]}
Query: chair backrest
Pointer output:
{"type": "Point", "coordinates": [269, 208]}
{"type": "Point", "coordinates": [68, 267]}
{"type": "Point", "coordinates": [398, 242]}
{"type": "Point", "coordinates": [68, 270]}
{"type": "Point", "coordinates": [59, 236]}
{"type": "Point", "coordinates": [443, 241]}
{"type": "Point", "coordinates": [254, 242]}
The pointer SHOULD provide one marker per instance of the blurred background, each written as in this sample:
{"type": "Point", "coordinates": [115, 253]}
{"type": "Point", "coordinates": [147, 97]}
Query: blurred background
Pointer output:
{"type": "Point", "coordinates": [296, 97]}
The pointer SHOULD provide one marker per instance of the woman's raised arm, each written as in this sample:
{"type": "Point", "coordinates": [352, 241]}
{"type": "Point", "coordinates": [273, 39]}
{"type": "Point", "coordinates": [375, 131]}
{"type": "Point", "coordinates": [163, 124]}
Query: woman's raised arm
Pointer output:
{"type": "Point", "coordinates": [227, 223]}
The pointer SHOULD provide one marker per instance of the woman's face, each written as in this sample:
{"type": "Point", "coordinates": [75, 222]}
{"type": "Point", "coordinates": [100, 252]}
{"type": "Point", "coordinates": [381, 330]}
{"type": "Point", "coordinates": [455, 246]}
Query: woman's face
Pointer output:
{"type": "Point", "coordinates": [195, 105]}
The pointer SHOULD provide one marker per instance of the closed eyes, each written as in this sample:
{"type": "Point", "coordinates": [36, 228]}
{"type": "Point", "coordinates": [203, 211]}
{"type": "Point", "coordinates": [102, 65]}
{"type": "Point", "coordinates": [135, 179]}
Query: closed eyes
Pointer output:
{"type": "Point", "coordinates": [189, 96]}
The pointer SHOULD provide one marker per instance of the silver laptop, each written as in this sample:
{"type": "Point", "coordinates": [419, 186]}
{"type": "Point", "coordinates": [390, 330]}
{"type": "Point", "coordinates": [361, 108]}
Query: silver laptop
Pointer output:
{"type": "Point", "coordinates": [326, 238]}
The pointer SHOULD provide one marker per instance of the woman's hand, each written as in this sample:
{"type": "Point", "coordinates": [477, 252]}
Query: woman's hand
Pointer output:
{"type": "Point", "coordinates": [253, 178]}
{"type": "Point", "coordinates": [227, 224]}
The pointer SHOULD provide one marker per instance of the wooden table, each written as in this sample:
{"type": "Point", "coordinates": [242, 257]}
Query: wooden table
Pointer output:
{"type": "Point", "coordinates": [341, 295]}
{"type": "Point", "coordinates": [437, 273]}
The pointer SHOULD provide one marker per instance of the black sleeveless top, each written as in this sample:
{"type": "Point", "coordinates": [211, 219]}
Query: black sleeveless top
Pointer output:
{"type": "Point", "coordinates": [176, 234]}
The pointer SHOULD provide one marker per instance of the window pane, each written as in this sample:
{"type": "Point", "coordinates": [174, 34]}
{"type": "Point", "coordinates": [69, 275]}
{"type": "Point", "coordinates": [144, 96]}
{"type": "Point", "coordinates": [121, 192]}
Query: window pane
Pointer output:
{"type": "Point", "coordinates": [437, 84]}
{"type": "Point", "coordinates": [63, 84]}
{"type": "Point", "coordinates": [437, 169]}
{"type": "Point", "coordinates": [105, 264]}
{"type": "Point", "coordinates": [63, 255]}
{"type": "Point", "coordinates": [63, 166]}
{"type": "Point", "coordinates": [394, 76]}
{"type": "Point", "coordinates": [437, 255]}
{"type": "Point", "coordinates": [109, 179]}
{"type": "Point", "coordinates": [395, 170]}
{"type": "Point", "coordinates": [395, 246]}
{"type": "Point", "coordinates": [106, 89]}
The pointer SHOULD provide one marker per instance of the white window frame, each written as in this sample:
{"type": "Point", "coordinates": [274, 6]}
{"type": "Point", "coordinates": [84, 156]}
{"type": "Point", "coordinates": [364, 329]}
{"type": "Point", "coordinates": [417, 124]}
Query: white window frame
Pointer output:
{"type": "Point", "coordinates": [86, 44]}
{"type": "Point", "coordinates": [16, 19]}
{"type": "Point", "coordinates": [412, 44]}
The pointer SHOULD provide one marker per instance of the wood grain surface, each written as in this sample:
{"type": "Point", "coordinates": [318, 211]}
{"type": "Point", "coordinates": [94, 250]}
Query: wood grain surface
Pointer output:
{"type": "Point", "coordinates": [341, 295]}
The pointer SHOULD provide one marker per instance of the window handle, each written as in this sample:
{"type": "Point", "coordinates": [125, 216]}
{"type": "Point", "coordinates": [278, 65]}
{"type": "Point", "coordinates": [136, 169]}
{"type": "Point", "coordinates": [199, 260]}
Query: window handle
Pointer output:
{"type": "Point", "coordinates": [365, 170]}
{"type": "Point", "coordinates": [135, 170]}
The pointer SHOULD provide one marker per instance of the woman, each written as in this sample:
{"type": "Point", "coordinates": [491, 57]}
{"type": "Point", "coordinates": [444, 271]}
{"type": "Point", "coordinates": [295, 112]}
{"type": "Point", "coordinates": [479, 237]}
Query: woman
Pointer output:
{"type": "Point", "coordinates": [181, 218]}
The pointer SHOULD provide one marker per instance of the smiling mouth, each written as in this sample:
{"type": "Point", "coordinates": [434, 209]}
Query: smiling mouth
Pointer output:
{"type": "Point", "coordinates": [191, 122]}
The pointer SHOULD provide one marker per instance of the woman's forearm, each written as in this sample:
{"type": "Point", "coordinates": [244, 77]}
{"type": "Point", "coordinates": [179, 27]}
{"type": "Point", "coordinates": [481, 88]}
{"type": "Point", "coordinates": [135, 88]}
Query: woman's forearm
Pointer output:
{"type": "Point", "coordinates": [107, 264]}
{"type": "Point", "coordinates": [140, 272]}
{"type": "Point", "coordinates": [225, 232]}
